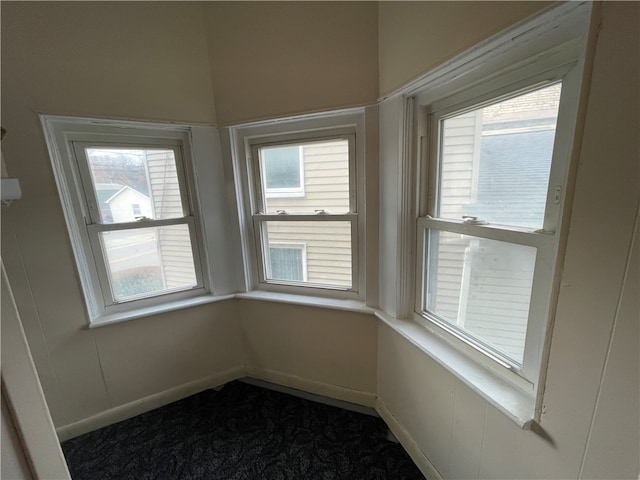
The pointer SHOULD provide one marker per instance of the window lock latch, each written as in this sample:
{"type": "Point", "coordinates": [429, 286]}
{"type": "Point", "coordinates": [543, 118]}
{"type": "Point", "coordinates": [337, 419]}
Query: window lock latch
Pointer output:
{"type": "Point", "coordinates": [471, 220]}
{"type": "Point", "coordinates": [281, 212]}
{"type": "Point", "coordinates": [321, 211]}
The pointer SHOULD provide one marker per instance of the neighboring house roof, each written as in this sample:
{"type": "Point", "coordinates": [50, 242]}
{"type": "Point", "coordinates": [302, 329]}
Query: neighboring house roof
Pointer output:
{"type": "Point", "coordinates": [123, 189]}
{"type": "Point", "coordinates": [512, 182]}
{"type": "Point", "coordinates": [104, 191]}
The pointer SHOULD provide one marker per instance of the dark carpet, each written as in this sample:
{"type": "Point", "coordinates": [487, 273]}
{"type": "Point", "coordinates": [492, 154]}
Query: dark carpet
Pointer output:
{"type": "Point", "coordinates": [241, 432]}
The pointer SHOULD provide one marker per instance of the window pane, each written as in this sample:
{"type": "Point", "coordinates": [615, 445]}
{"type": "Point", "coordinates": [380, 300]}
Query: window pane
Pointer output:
{"type": "Point", "coordinates": [282, 167]}
{"type": "Point", "coordinates": [306, 177]}
{"type": "Point", "coordinates": [125, 178]}
{"type": "Point", "coordinates": [286, 263]}
{"type": "Point", "coordinates": [149, 261]}
{"type": "Point", "coordinates": [495, 161]}
{"type": "Point", "coordinates": [327, 246]}
{"type": "Point", "coordinates": [482, 287]}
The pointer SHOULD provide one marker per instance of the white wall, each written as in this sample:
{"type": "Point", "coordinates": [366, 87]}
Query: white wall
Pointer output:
{"type": "Point", "coordinates": [432, 32]}
{"type": "Point", "coordinates": [29, 443]}
{"type": "Point", "coordinates": [14, 462]}
{"type": "Point", "coordinates": [584, 419]}
{"type": "Point", "coordinates": [271, 59]}
{"type": "Point", "coordinates": [328, 352]}
{"type": "Point", "coordinates": [126, 60]}
{"type": "Point", "coordinates": [151, 60]}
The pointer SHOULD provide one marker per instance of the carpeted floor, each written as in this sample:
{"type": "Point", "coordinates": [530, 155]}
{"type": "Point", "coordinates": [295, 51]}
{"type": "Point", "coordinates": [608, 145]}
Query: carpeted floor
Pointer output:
{"type": "Point", "coordinates": [241, 432]}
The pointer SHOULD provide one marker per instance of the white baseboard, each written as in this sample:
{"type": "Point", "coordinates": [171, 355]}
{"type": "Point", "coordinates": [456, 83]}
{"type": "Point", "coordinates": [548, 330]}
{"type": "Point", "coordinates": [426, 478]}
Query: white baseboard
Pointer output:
{"type": "Point", "coordinates": [128, 410]}
{"type": "Point", "coordinates": [409, 444]}
{"type": "Point", "coordinates": [365, 399]}
{"type": "Point", "coordinates": [354, 407]}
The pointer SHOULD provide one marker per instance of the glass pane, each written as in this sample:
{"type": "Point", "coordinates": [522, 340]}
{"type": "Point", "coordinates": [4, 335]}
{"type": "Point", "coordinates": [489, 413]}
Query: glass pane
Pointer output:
{"type": "Point", "coordinates": [495, 161]}
{"type": "Point", "coordinates": [287, 262]}
{"type": "Point", "coordinates": [149, 261]}
{"type": "Point", "coordinates": [132, 184]}
{"type": "Point", "coordinates": [306, 177]}
{"type": "Point", "coordinates": [482, 287]}
{"type": "Point", "coordinates": [282, 168]}
{"type": "Point", "coordinates": [325, 252]}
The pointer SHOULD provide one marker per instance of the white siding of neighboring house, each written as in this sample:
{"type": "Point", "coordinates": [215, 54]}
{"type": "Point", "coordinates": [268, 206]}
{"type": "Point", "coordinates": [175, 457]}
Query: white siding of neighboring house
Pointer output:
{"type": "Point", "coordinates": [174, 242]}
{"type": "Point", "coordinates": [122, 205]}
{"type": "Point", "coordinates": [461, 140]}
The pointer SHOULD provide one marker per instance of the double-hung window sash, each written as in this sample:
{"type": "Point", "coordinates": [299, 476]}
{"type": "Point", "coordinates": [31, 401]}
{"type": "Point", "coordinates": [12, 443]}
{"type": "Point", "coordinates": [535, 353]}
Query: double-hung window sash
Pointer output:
{"type": "Point", "coordinates": [489, 238]}
{"type": "Point", "coordinates": [305, 193]}
{"type": "Point", "coordinates": [138, 219]}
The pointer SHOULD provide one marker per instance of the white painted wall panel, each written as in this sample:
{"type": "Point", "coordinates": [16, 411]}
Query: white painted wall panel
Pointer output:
{"type": "Point", "coordinates": [322, 345]}
{"type": "Point", "coordinates": [40, 258]}
{"type": "Point", "coordinates": [468, 427]}
{"type": "Point", "coordinates": [391, 120]}
{"type": "Point", "coordinates": [419, 393]}
{"type": "Point", "coordinates": [614, 443]}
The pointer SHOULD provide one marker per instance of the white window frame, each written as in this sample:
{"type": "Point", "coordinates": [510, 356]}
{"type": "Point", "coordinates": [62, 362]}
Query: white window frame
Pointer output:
{"type": "Point", "coordinates": [193, 147]}
{"type": "Point", "coordinates": [545, 240]}
{"type": "Point", "coordinates": [243, 141]}
{"type": "Point", "coordinates": [541, 49]}
{"type": "Point", "coordinates": [260, 218]}
{"type": "Point", "coordinates": [291, 192]}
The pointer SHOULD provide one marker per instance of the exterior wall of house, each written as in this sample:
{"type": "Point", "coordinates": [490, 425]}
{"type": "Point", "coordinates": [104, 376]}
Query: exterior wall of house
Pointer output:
{"type": "Point", "coordinates": [122, 209]}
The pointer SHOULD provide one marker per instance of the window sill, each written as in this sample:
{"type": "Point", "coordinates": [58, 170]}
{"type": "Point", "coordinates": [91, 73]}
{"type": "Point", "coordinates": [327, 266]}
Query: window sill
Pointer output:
{"type": "Point", "coordinates": [348, 305]}
{"type": "Point", "coordinates": [516, 404]}
{"type": "Point", "coordinates": [110, 319]}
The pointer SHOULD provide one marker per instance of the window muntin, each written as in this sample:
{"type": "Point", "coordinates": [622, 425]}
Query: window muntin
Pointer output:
{"type": "Point", "coordinates": [464, 247]}
{"type": "Point", "coordinates": [146, 255]}
{"type": "Point", "coordinates": [324, 218]}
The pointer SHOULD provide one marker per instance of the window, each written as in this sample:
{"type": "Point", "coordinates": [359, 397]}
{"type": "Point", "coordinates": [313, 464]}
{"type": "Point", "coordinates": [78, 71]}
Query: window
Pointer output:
{"type": "Point", "coordinates": [283, 171]}
{"type": "Point", "coordinates": [287, 262]}
{"type": "Point", "coordinates": [145, 256]}
{"type": "Point", "coordinates": [129, 198]}
{"type": "Point", "coordinates": [490, 220]}
{"type": "Point", "coordinates": [300, 186]}
{"type": "Point", "coordinates": [476, 178]}
{"type": "Point", "coordinates": [324, 218]}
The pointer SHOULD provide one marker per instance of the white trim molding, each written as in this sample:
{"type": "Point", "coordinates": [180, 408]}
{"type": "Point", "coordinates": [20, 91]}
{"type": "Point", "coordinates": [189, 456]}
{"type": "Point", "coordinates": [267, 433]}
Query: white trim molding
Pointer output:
{"type": "Point", "coordinates": [148, 403]}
